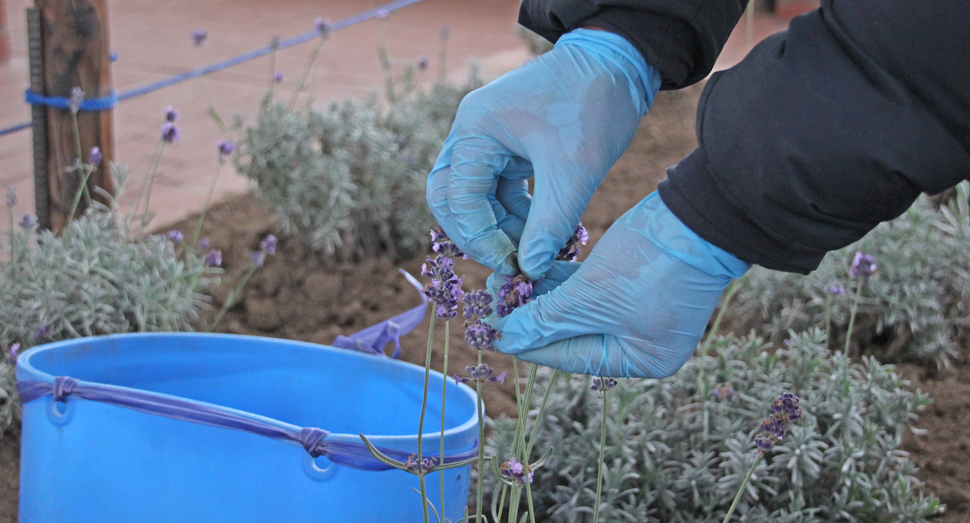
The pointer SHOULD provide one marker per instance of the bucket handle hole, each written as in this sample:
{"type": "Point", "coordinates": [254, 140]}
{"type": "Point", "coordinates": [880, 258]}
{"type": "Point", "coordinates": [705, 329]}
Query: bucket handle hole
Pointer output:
{"type": "Point", "coordinates": [59, 412]}
{"type": "Point", "coordinates": [319, 468]}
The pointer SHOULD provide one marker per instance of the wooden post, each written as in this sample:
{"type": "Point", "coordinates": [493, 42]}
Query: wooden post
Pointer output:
{"type": "Point", "coordinates": [75, 54]}
{"type": "Point", "coordinates": [4, 33]}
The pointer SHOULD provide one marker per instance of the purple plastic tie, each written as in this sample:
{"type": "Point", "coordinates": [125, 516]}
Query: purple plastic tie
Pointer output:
{"type": "Point", "coordinates": [63, 387]}
{"type": "Point", "coordinates": [310, 438]}
{"type": "Point", "coordinates": [375, 338]}
{"type": "Point", "coordinates": [349, 454]}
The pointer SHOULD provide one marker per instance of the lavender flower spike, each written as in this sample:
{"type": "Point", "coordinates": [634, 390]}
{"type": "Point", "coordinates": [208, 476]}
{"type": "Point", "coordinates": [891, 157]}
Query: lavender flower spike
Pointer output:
{"type": "Point", "coordinates": [14, 350]}
{"type": "Point", "coordinates": [775, 427]}
{"type": "Point", "coordinates": [323, 26]}
{"type": "Point", "coordinates": [480, 373]}
{"type": "Point", "coordinates": [834, 288]}
{"type": "Point", "coordinates": [175, 236]}
{"type": "Point", "coordinates": [77, 97]}
{"type": "Point", "coordinates": [268, 245]}
{"type": "Point", "coordinates": [603, 384]}
{"type": "Point", "coordinates": [481, 336]}
{"type": "Point", "coordinates": [27, 222]}
{"type": "Point", "coordinates": [572, 251]}
{"type": "Point", "coordinates": [863, 265]}
{"type": "Point", "coordinates": [225, 148]}
{"type": "Point", "coordinates": [199, 38]}
{"type": "Point", "coordinates": [440, 242]}
{"type": "Point", "coordinates": [278, 77]}
{"type": "Point", "coordinates": [95, 157]}
{"type": "Point", "coordinates": [512, 469]}
{"type": "Point", "coordinates": [213, 258]}
{"type": "Point", "coordinates": [170, 132]}
{"type": "Point", "coordinates": [422, 63]}
{"type": "Point", "coordinates": [478, 305]}
{"type": "Point", "coordinates": [514, 293]}
{"type": "Point", "coordinates": [11, 196]}
{"type": "Point", "coordinates": [171, 115]}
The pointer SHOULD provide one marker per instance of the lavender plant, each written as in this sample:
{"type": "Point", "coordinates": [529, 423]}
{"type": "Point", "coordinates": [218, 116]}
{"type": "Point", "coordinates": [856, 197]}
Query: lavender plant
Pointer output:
{"type": "Point", "coordinates": [917, 307]}
{"type": "Point", "coordinates": [349, 179]}
{"type": "Point", "coordinates": [97, 278]}
{"type": "Point", "coordinates": [842, 462]}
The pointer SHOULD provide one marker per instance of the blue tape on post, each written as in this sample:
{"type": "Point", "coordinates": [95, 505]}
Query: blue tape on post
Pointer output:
{"type": "Point", "coordinates": [92, 104]}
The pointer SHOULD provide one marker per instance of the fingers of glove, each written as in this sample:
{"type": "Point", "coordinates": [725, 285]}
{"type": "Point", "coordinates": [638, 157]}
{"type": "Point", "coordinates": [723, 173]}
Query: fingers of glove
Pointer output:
{"type": "Point", "coordinates": [556, 209]}
{"type": "Point", "coordinates": [604, 355]}
{"type": "Point", "coordinates": [461, 195]}
{"type": "Point", "coordinates": [513, 194]}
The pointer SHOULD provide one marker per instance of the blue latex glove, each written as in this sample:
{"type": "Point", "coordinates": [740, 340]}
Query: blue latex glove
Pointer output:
{"type": "Point", "coordinates": [565, 118]}
{"type": "Point", "coordinates": [636, 307]}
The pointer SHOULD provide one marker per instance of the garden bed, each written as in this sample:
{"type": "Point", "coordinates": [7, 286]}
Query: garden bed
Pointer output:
{"type": "Point", "coordinates": [302, 296]}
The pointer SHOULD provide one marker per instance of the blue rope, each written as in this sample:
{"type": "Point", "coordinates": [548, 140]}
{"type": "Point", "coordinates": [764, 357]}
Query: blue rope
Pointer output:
{"type": "Point", "coordinates": [92, 104]}
{"type": "Point", "coordinates": [100, 104]}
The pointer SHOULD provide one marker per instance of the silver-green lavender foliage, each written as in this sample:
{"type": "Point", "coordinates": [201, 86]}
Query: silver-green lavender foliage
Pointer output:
{"type": "Point", "coordinates": [676, 454]}
{"type": "Point", "coordinates": [350, 179]}
{"type": "Point", "coordinates": [94, 279]}
{"type": "Point", "coordinates": [918, 303]}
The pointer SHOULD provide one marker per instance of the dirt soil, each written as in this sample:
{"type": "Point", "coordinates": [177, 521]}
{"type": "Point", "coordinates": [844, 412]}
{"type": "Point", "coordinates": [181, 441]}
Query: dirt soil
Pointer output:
{"type": "Point", "coordinates": [302, 296]}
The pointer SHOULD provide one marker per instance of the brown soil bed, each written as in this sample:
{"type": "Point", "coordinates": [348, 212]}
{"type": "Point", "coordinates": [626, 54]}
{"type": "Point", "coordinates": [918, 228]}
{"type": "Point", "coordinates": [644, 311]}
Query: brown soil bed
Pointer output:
{"type": "Point", "coordinates": [300, 295]}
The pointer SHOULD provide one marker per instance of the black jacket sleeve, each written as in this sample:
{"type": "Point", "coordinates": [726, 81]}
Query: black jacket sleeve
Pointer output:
{"type": "Point", "coordinates": [828, 129]}
{"type": "Point", "coordinates": [681, 38]}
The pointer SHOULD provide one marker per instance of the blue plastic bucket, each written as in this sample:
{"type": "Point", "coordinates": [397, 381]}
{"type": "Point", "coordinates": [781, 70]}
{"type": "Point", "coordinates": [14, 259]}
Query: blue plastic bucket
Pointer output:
{"type": "Point", "coordinates": [90, 461]}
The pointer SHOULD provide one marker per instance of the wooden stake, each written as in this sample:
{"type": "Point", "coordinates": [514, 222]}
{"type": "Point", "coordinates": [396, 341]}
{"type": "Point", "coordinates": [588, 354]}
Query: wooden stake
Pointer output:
{"type": "Point", "coordinates": [75, 54]}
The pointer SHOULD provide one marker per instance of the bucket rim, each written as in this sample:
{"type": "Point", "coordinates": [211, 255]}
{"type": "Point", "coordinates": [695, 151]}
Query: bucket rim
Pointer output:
{"type": "Point", "coordinates": [26, 370]}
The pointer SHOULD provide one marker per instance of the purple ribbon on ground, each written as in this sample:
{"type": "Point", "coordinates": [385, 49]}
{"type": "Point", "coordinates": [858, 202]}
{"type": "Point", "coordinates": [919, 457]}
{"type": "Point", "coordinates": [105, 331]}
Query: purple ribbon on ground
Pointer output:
{"type": "Point", "coordinates": [375, 338]}
{"type": "Point", "coordinates": [349, 454]}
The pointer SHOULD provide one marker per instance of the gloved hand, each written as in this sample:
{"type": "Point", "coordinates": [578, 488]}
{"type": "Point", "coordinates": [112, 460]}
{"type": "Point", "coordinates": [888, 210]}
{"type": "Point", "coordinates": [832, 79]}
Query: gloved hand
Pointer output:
{"type": "Point", "coordinates": [565, 117]}
{"type": "Point", "coordinates": [636, 307]}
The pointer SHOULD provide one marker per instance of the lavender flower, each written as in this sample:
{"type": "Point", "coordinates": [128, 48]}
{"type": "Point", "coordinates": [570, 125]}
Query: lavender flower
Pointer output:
{"type": "Point", "coordinates": [95, 157]}
{"type": "Point", "coordinates": [478, 305]}
{"type": "Point", "coordinates": [480, 373]}
{"type": "Point", "coordinates": [514, 293]}
{"type": "Point", "coordinates": [572, 251]}
{"type": "Point", "coordinates": [268, 245]}
{"type": "Point", "coordinates": [274, 42]}
{"type": "Point", "coordinates": [426, 465]}
{"type": "Point", "coordinates": [213, 258]}
{"type": "Point", "coordinates": [278, 77]}
{"type": "Point", "coordinates": [863, 265]}
{"type": "Point", "coordinates": [422, 63]}
{"type": "Point", "coordinates": [481, 336]}
{"type": "Point", "coordinates": [514, 470]}
{"type": "Point", "coordinates": [323, 25]}
{"type": "Point", "coordinates": [603, 384]}
{"type": "Point", "coordinates": [27, 222]}
{"type": "Point", "coordinates": [77, 97]}
{"type": "Point", "coordinates": [199, 38]}
{"type": "Point", "coordinates": [440, 242]}
{"type": "Point", "coordinates": [382, 14]}
{"type": "Point", "coordinates": [11, 196]}
{"type": "Point", "coordinates": [775, 427]}
{"type": "Point", "coordinates": [14, 350]}
{"type": "Point", "coordinates": [723, 393]}
{"type": "Point", "coordinates": [204, 244]}
{"type": "Point", "coordinates": [225, 148]}
{"type": "Point", "coordinates": [257, 258]}
{"type": "Point", "coordinates": [834, 288]}
{"type": "Point", "coordinates": [445, 287]}
{"type": "Point", "coordinates": [175, 236]}
{"type": "Point", "coordinates": [171, 115]}
{"type": "Point", "coordinates": [170, 132]}
{"type": "Point", "coordinates": [42, 333]}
